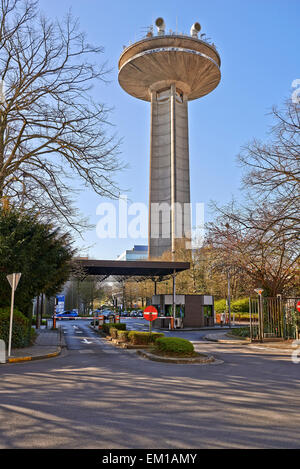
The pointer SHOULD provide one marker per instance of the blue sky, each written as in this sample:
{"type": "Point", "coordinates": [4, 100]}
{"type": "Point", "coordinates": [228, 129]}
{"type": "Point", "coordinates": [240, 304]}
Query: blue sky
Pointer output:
{"type": "Point", "coordinates": [258, 41]}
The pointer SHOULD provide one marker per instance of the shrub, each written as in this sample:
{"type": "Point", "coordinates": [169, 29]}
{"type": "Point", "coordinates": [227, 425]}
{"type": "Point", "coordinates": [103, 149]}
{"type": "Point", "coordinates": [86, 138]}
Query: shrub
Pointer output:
{"type": "Point", "coordinates": [240, 306]}
{"type": "Point", "coordinates": [33, 335]}
{"type": "Point", "coordinates": [113, 332]}
{"type": "Point", "coordinates": [241, 332]}
{"type": "Point", "coordinates": [20, 336]}
{"type": "Point", "coordinates": [220, 306]}
{"type": "Point", "coordinates": [174, 346]}
{"type": "Point", "coordinates": [237, 306]}
{"type": "Point", "coordinates": [43, 322]}
{"type": "Point", "coordinates": [123, 336]}
{"type": "Point", "coordinates": [118, 326]}
{"type": "Point", "coordinates": [143, 338]}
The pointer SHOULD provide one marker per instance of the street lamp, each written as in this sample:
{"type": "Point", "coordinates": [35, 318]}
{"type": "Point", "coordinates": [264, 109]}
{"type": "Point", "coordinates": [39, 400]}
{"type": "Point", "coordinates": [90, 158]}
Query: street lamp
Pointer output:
{"type": "Point", "coordinates": [228, 285]}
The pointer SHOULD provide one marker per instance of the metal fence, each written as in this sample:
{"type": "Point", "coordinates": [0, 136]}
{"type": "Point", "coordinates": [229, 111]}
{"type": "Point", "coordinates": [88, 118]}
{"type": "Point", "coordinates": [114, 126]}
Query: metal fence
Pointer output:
{"type": "Point", "coordinates": [273, 318]}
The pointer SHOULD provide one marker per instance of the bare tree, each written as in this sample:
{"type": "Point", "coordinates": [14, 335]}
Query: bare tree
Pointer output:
{"type": "Point", "coordinates": [52, 133]}
{"type": "Point", "coordinates": [273, 175]}
{"type": "Point", "coordinates": [270, 261]}
{"type": "Point", "coordinates": [262, 237]}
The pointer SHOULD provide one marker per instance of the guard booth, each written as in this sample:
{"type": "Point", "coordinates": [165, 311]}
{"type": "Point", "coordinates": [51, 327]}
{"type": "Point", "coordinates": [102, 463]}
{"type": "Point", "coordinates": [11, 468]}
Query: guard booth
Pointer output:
{"type": "Point", "coordinates": [191, 310]}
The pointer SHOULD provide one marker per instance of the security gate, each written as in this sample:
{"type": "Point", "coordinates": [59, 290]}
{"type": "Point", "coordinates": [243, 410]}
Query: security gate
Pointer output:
{"type": "Point", "coordinates": [273, 318]}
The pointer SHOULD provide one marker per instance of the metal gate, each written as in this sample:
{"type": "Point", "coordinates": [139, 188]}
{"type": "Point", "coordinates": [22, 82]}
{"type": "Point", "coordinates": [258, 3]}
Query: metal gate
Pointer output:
{"type": "Point", "coordinates": [273, 318]}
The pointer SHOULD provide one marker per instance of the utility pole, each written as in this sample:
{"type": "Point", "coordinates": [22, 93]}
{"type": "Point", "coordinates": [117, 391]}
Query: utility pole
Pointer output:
{"type": "Point", "coordinates": [228, 283]}
{"type": "Point", "coordinates": [228, 297]}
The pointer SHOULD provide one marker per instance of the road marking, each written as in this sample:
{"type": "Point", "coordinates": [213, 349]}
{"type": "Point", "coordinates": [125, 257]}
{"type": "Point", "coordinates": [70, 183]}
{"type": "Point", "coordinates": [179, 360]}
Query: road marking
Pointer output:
{"type": "Point", "coordinates": [85, 341]}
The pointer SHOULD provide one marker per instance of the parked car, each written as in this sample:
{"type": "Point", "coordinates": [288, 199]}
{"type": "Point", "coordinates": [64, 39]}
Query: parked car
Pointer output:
{"type": "Point", "coordinates": [67, 315]}
{"type": "Point", "coordinates": [108, 314]}
{"type": "Point", "coordinates": [133, 314]}
{"type": "Point", "coordinates": [140, 314]}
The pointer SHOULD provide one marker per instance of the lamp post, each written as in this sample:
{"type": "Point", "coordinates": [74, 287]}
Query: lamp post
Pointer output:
{"type": "Point", "coordinates": [259, 291]}
{"type": "Point", "coordinates": [228, 297]}
{"type": "Point", "coordinates": [228, 284]}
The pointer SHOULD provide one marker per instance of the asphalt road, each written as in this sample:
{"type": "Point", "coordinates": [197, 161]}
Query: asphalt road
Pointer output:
{"type": "Point", "coordinates": [97, 396]}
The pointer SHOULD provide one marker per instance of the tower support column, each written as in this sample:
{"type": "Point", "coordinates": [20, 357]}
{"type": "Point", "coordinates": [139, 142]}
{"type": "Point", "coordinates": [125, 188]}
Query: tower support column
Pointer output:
{"type": "Point", "coordinates": [169, 211]}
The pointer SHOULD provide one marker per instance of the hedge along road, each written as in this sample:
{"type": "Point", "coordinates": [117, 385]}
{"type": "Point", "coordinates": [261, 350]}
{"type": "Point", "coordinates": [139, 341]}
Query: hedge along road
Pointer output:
{"type": "Point", "coordinates": [97, 396]}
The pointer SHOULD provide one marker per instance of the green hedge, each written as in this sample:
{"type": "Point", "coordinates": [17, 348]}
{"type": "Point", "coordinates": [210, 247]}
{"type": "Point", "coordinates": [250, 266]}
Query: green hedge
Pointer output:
{"type": "Point", "coordinates": [240, 306]}
{"type": "Point", "coordinates": [113, 332]}
{"type": "Point", "coordinates": [143, 338]}
{"type": "Point", "coordinates": [236, 306]}
{"type": "Point", "coordinates": [20, 336]}
{"type": "Point", "coordinates": [43, 322]}
{"type": "Point", "coordinates": [123, 335]}
{"type": "Point", "coordinates": [220, 306]}
{"type": "Point", "coordinates": [174, 346]}
{"type": "Point", "coordinates": [119, 326]}
{"type": "Point", "coordinates": [241, 332]}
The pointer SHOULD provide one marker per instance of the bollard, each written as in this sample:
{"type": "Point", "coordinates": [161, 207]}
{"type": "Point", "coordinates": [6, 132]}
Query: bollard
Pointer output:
{"type": "Point", "coordinates": [171, 323]}
{"type": "Point", "coordinates": [2, 351]}
{"type": "Point", "coordinates": [100, 322]}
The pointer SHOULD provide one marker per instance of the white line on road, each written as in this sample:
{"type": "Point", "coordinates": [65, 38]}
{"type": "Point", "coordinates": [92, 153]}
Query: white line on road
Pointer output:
{"type": "Point", "coordinates": [85, 341]}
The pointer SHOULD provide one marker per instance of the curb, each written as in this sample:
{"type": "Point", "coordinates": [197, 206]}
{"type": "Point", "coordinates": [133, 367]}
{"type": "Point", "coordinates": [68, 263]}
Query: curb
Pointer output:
{"type": "Point", "coordinates": [205, 359]}
{"type": "Point", "coordinates": [34, 357]}
{"type": "Point", "coordinates": [225, 341]}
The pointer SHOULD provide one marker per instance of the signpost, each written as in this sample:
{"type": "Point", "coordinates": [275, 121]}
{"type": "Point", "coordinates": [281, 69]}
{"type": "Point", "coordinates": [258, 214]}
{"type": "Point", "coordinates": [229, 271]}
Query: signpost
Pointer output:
{"type": "Point", "coordinates": [13, 281]}
{"type": "Point", "coordinates": [60, 305]}
{"type": "Point", "coordinates": [150, 314]}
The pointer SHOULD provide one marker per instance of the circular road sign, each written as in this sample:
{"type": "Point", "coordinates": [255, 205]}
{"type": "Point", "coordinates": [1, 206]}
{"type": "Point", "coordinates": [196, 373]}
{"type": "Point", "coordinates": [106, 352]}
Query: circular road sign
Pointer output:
{"type": "Point", "coordinates": [150, 313]}
{"type": "Point", "coordinates": [298, 306]}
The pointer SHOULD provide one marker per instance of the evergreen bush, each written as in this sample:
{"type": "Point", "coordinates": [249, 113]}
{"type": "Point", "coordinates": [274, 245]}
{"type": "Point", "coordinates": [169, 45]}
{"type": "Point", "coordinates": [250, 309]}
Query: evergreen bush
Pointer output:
{"type": "Point", "coordinates": [20, 336]}
{"type": "Point", "coordinates": [174, 346]}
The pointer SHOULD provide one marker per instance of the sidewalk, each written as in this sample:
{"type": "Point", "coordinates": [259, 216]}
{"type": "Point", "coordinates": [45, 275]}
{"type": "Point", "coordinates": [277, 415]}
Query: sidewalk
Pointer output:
{"type": "Point", "coordinates": [208, 328]}
{"type": "Point", "coordinates": [47, 344]}
{"type": "Point", "coordinates": [225, 339]}
{"type": "Point", "coordinates": [267, 344]}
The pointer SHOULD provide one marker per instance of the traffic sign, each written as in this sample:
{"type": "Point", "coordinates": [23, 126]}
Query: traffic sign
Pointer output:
{"type": "Point", "coordinates": [150, 313]}
{"type": "Point", "coordinates": [13, 280]}
{"type": "Point", "coordinates": [258, 290]}
{"type": "Point", "coordinates": [298, 306]}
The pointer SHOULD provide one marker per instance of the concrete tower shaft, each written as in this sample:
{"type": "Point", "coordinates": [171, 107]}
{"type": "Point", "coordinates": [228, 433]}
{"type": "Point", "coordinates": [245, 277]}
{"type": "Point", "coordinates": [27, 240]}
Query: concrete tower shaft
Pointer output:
{"type": "Point", "coordinates": [169, 214]}
{"type": "Point", "coordinates": [169, 71]}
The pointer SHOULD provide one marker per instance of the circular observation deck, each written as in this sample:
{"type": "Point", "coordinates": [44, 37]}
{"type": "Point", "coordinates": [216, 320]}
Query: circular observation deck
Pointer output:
{"type": "Point", "coordinates": [155, 63]}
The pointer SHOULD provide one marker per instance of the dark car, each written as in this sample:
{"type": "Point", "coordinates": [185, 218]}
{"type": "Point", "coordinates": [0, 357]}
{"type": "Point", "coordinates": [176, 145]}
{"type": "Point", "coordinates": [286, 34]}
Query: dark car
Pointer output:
{"type": "Point", "coordinates": [67, 315]}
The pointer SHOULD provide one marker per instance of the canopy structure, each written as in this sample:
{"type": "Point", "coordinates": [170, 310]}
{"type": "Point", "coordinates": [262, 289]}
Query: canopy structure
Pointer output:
{"type": "Point", "coordinates": [156, 270]}
{"type": "Point", "coordinates": [131, 268]}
